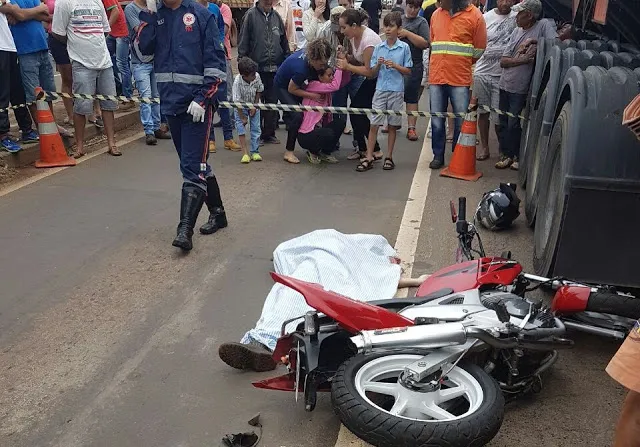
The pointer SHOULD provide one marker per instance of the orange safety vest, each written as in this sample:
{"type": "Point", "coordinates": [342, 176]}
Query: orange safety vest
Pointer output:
{"type": "Point", "coordinates": [456, 43]}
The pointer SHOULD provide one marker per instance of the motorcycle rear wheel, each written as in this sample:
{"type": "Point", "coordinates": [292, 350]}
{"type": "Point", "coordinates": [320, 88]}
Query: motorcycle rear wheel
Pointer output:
{"type": "Point", "coordinates": [370, 402]}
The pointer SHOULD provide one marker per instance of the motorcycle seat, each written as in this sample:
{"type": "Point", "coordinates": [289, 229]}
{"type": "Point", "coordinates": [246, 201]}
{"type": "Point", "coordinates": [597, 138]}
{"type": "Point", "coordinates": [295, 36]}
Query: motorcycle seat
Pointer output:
{"type": "Point", "coordinates": [395, 303]}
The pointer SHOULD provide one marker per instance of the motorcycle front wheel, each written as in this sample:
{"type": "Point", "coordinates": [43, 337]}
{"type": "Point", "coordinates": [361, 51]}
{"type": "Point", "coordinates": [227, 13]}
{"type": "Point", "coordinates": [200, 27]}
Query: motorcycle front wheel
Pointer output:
{"type": "Point", "coordinates": [466, 411]}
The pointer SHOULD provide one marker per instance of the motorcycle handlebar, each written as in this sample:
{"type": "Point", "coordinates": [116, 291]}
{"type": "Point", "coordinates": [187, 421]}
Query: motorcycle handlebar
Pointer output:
{"type": "Point", "coordinates": [462, 208]}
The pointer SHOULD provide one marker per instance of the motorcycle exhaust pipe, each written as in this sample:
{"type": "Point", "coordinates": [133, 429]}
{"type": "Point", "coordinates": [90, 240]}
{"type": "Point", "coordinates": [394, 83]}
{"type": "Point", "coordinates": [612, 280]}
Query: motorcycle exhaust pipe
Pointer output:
{"type": "Point", "coordinates": [428, 336]}
{"type": "Point", "coordinates": [595, 330]}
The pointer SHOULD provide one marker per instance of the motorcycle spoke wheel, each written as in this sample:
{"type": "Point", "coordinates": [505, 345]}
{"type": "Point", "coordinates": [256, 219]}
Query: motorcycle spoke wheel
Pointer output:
{"type": "Point", "coordinates": [377, 383]}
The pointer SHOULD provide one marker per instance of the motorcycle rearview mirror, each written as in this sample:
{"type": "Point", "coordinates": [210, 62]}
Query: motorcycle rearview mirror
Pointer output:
{"type": "Point", "coordinates": [454, 214]}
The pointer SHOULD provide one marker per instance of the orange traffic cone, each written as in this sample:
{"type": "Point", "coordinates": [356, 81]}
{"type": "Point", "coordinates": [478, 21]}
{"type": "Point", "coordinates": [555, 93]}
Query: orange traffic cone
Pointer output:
{"type": "Point", "coordinates": [52, 151]}
{"type": "Point", "coordinates": [463, 162]}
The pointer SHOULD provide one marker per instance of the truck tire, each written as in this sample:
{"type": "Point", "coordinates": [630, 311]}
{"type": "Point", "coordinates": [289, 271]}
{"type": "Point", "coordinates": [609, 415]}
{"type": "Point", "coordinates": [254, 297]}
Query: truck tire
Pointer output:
{"type": "Point", "coordinates": [378, 426]}
{"type": "Point", "coordinates": [534, 159]}
{"type": "Point", "coordinates": [551, 201]}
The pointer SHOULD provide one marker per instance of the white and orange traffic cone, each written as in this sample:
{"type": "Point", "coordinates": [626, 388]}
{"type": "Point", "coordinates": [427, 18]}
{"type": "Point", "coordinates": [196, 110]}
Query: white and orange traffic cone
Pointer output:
{"type": "Point", "coordinates": [52, 151]}
{"type": "Point", "coordinates": [463, 162]}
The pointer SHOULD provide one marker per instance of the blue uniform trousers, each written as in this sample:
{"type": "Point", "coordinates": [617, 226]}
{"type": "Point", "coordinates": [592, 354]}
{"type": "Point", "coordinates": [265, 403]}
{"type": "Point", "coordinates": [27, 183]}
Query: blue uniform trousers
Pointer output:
{"type": "Point", "coordinates": [192, 144]}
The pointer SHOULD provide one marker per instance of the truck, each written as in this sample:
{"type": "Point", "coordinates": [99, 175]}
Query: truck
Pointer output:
{"type": "Point", "coordinates": [579, 166]}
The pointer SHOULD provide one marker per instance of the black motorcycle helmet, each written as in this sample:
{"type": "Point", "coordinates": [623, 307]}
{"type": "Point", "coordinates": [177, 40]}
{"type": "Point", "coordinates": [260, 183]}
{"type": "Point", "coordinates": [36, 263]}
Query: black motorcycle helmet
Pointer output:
{"type": "Point", "coordinates": [498, 208]}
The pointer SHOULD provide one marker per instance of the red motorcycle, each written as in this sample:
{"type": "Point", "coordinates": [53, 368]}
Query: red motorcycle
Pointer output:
{"type": "Point", "coordinates": [433, 369]}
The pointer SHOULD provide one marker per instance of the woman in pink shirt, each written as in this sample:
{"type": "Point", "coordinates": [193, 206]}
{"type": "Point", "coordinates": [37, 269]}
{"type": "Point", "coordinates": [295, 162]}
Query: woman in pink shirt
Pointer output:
{"type": "Point", "coordinates": [319, 133]}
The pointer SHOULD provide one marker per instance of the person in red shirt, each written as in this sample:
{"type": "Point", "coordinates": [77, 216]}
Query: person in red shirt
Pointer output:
{"type": "Point", "coordinates": [118, 43]}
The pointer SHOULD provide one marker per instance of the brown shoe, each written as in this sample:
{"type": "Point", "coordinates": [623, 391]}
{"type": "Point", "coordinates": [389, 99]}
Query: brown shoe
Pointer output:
{"type": "Point", "coordinates": [162, 134]}
{"type": "Point", "coordinates": [254, 356]}
{"type": "Point", "coordinates": [150, 139]}
{"type": "Point", "coordinates": [232, 146]}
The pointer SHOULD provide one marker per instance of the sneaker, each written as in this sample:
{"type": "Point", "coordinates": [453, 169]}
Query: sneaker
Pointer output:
{"type": "Point", "coordinates": [245, 159]}
{"type": "Point", "coordinates": [256, 157]}
{"type": "Point", "coordinates": [232, 146]}
{"type": "Point", "coordinates": [515, 166]}
{"type": "Point", "coordinates": [150, 139]}
{"type": "Point", "coordinates": [504, 162]}
{"type": "Point", "coordinates": [99, 123]}
{"type": "Point", "coordinates": [212, 147]}
{"type": "Point", "coordinates": [328, 158]}
{"type": "Point", "coordinates": [30, 136]}
{"type": "Point", "coordinates": [254, 356]}
{"type": "Point", "coordinates": [436, 163]}
{"type": "Point", "coordinates": [313, 158]}
{"type": "Point", "coordinates": [271, 140]}
{"type": "Point", "coordinates": [412, 135]}
{"type": "Point", "coordinates": [9, 145]}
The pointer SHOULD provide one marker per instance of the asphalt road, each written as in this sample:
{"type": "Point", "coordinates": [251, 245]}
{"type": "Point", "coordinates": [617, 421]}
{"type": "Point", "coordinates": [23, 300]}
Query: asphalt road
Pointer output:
{"type": "Point", "coordinates": [109, 336]}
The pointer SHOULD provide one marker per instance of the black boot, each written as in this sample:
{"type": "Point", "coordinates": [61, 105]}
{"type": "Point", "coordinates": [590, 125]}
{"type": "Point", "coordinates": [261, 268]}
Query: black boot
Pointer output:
{"type": "Point", "coordinates": [190, 205]}
{"type": "Point", "coordinates": [217, 216]}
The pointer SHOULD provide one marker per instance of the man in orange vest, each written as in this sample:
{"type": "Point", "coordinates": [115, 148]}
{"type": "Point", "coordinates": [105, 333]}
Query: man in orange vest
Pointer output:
{"type": "Point", "coordinates": [458, 39]}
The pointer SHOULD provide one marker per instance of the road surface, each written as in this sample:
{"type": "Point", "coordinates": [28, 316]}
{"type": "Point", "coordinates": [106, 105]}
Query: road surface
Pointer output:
{"type": "Point", "coordinates": [109, 336]}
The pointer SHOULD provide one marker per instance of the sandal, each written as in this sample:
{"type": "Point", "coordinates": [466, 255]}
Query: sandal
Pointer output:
{"type": "Point", "coordinates": [388, 164]}
{"type": "Point", "coordinates": [483, 157]}
{"type": "Point", "coordinates": [77, 155]}
{"type": "Point", "coordinates": [355, 155]}
{"type": "Point", "coordinates": [365, 165]}
{"type": "Point", "coordinates": [375, 157]}
{"type": "Point", "coordinates": [114, 151]}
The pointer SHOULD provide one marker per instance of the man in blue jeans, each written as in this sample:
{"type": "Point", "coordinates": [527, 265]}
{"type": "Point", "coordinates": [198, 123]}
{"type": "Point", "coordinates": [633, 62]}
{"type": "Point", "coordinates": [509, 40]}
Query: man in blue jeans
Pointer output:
{"type": "Point", "coordinates": [458, 39]}
{"type": "Point", "coordinates": [145, 78]}
{"type": "Point", "coordinates": [225, 114]}
{"type": "Point", "coordinates": [118, 44]}
{"type": "Point", "coordinates": [517, 64]}
{"type": "Point", "coordinates": [30, 39]}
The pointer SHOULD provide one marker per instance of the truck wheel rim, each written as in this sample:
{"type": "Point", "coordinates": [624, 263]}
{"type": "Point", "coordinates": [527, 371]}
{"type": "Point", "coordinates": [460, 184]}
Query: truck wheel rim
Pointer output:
{"type": "Point", "coordinates": [377, 383]}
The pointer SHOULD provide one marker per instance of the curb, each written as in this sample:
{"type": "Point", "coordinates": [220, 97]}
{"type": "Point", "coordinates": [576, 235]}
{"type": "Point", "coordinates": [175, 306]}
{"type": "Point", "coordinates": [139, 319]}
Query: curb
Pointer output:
{"type": "Point", "coordinates": [30, 153]}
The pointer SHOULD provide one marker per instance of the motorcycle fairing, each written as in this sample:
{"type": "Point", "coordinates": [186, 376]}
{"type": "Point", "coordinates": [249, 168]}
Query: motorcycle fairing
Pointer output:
{"type": "Point", "coordinates": [570, 299]}
{"type": "Point", "coordinates": [472, 275]}
{"type": "Point", "coordinates": [352, 315]}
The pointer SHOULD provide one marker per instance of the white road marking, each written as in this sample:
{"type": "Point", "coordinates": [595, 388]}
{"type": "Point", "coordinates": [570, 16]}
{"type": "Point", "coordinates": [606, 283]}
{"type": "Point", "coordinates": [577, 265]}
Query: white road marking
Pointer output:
{"type": "Point", "coordinates": [409, 232]}
{"type": "Point", "coordinates": [50, 171]}
{"type": "Point", "coordinates": [406, 245]}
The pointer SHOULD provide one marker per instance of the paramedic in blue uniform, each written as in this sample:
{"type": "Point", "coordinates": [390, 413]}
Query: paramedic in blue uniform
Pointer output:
{"type": "Point", "coordinates": [190, 67]}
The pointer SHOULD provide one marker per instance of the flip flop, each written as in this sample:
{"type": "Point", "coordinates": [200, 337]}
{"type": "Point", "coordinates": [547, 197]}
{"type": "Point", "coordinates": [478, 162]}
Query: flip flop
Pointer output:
{"type": "Point", "coordinates": [114, 151]}
{"type": "Point", "coordinates": [482, 157]}
{"type": "Point", "coordinates": [77, 155]}
{"type": "Point", "coordinates": [356, 155]}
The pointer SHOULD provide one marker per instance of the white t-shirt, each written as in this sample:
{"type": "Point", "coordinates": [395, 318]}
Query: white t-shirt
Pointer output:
{"type": "Point", "coordinates": [369, 39]}
{"type": "Point", "coordinates": [6, 39]}
{"type": "Point", "coordinates": [84, 22]}
{"type": "Point", "coordinates": [499, 29]}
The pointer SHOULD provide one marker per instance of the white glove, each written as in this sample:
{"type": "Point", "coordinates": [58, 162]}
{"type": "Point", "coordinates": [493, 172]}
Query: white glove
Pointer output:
{"type": "Point", "coordinates": [152, 5]}
{"type": "Point", "coordinates": [196, 111]}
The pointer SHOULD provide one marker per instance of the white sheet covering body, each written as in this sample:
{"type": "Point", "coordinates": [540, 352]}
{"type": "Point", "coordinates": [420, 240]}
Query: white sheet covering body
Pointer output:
{"type": "Point", "coordinates": [354, 265]}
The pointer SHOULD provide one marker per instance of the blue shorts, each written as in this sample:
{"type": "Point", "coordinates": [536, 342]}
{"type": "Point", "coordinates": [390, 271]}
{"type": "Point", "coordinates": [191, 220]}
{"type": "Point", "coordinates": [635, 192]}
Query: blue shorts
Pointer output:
{"type": "Point", "coordinates": [37, 71]}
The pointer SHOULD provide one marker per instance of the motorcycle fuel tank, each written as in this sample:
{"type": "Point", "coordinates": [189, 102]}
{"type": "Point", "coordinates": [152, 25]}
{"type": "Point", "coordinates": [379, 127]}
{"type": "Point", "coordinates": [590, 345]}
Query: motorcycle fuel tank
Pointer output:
{"type": "Point", "coordinates": [472, 275]}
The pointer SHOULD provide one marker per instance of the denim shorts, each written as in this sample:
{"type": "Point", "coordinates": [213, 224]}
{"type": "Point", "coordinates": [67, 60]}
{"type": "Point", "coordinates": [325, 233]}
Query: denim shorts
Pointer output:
{"type": "Point", "coordinates": [36, 71]}
{"type": "Point", "coordinates": [88, 81]}
{"type": "Point", "coordinates": [412, 84]}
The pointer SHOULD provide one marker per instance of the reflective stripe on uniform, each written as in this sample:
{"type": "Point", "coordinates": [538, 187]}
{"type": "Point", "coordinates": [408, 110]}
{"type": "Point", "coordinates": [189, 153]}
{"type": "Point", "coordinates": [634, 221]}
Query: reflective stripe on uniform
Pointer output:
{"type": "Point", "coordinates": [477, 53]}
{"type": "Point", "coordinates": [454, 48]}
{"type": "Point", "coordinates": [180, 78]}
{"type": "Point", "coordinates": [216, 73]}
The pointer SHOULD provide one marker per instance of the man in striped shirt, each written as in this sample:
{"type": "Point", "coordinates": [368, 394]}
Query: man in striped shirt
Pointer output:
{"type": "Point", "coordinates": [458, 39]}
